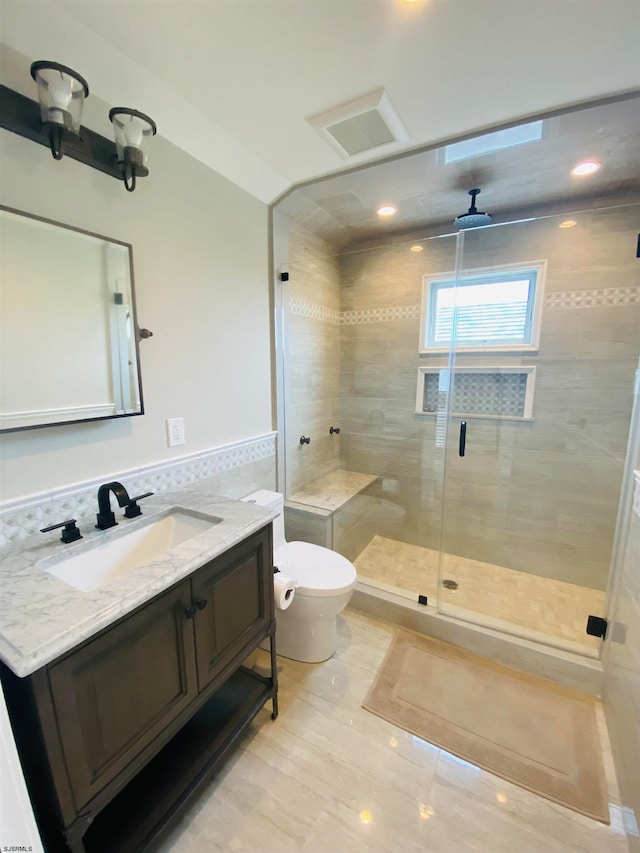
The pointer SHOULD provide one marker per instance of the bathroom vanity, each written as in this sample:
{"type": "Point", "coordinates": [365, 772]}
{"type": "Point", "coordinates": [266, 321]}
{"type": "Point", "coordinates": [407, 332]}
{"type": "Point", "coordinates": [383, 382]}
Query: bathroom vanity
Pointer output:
{"type": "Point", "coordinates": [116, 732]}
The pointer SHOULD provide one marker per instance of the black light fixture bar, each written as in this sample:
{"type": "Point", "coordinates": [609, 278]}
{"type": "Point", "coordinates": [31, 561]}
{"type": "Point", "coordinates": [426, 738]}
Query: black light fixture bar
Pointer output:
{"type": "Point", "coordinates": [21, 115]}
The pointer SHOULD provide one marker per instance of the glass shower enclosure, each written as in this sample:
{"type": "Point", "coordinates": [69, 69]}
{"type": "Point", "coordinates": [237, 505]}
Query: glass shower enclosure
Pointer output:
{"type": "Point", "coordinates": [467, 401]}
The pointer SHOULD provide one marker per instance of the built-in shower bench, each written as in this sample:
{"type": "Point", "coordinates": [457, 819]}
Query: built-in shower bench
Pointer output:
{"type": "Point", "coordinates": [335, 510]}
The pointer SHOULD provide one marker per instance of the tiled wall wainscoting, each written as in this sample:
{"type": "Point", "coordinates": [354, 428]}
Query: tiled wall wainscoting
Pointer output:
{"type": "Point", "coordinates": [235, 469]}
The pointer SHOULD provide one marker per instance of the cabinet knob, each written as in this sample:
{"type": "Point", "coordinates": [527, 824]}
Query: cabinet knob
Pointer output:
{"type": "Point", "coordinates": [201, 603]}
{"type": "Point", "coordinates": [190, 612]}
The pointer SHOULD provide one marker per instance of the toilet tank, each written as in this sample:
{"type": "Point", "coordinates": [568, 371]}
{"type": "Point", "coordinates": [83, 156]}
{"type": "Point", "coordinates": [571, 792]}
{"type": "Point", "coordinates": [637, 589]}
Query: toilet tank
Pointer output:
{"type": "Point", "coordinates": [275, 501]}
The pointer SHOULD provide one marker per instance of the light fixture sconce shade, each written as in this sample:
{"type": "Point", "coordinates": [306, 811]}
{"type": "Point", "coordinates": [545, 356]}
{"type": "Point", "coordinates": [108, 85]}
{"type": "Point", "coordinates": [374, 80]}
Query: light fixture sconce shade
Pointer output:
{"type": "Point", "coordinates": [61, 93]}
{"type": "Point", "coordinates": [132, 130]}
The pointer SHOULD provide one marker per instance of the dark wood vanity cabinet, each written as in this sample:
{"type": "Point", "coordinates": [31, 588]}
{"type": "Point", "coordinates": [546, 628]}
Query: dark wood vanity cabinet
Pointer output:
{"type": "Point", "coordinates": [118, 693]}
{"type": "Point", "coordinates": [115, 734]}
{"type": "Point", "coordinates": [233, 597]}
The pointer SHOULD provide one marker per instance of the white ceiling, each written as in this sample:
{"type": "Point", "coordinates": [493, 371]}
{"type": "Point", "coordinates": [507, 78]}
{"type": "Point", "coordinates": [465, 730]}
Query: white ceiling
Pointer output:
{"type": "Point", "coordinates": [233, 82]}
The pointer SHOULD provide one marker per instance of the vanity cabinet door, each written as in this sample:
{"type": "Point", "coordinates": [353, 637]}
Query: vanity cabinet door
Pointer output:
{"type": "Point", "coordinates": [234, 597]}
{"type": "Point", "coordinates": [115, 695]}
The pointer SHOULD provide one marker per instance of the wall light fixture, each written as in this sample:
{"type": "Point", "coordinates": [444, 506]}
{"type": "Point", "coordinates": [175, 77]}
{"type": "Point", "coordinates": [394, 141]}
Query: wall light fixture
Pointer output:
{"type": "Point", "coordinates": [55, 123]}
{"type": "Point", "coordinates": [132, 130]}
{"type": "Point", "coordinates": [61, 92]}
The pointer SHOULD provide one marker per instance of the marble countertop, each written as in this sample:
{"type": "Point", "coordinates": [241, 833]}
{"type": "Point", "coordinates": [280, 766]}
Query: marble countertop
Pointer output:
{"type": "Point", "coordinates": [42, 617]}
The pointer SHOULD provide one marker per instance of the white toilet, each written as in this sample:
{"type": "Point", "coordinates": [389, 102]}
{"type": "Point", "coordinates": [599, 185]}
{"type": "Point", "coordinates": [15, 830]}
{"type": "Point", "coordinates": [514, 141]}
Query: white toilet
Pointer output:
{"type": "Point", "coordinates": [306, 630]}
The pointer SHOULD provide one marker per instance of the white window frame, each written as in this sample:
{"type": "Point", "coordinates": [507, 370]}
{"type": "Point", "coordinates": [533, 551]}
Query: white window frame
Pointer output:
{"type": "Point", "coordinates": [431, 282]}
{"type": "Point", "coordinates": [527, 414]}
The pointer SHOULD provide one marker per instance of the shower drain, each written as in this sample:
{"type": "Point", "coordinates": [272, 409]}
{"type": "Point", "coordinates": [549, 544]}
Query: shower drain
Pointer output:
{"type": "Point", "coordinates": [449, 584]}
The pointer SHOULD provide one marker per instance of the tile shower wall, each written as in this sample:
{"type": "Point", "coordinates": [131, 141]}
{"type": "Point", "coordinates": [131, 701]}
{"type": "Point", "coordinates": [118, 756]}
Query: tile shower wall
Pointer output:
{"type": "Point", "coordinates": [538, 497]}
{"type": "Point", "coordinates": [312, 309]}
{"type": "Point", "coordinates": [382, 435]}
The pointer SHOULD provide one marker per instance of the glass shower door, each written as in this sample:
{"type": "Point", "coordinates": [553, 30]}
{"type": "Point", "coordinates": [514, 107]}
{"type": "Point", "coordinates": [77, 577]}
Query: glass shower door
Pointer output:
{"type": "Point", "coordinates": [369, 482]}
{"type": "Point", "coordinates": [545, 328]}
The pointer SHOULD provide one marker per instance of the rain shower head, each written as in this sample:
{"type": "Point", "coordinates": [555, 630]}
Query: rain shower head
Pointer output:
{"type": "Point", "coordinates": [474, 218]}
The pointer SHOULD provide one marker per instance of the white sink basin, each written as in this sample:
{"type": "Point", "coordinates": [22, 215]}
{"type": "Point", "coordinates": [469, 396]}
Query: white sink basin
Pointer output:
{"type": "Point", "coordinates": [95, 566]}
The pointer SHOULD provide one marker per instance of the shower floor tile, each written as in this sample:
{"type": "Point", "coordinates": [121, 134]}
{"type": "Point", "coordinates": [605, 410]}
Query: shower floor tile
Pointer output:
{"type": "Point", "coordinates": [540, 604]}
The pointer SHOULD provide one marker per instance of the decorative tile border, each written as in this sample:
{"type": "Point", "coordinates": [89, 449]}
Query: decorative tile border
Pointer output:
{"type": "Point", "coordinates": [24, 516]}
{"type": "Point", "coordinates": [636, 494]}
{"type": "Point", "coordinates": [364, 315]}
{"type": "Point", "coordinates": [311, 309]}
{"type": "Point", "coordinates": [607, 296]}
{"type": "Point", "coordinates": [380, 315]}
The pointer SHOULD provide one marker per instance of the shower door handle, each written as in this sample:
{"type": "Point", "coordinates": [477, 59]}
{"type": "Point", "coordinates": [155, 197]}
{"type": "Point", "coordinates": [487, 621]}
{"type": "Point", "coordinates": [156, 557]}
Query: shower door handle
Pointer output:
{"type": "Point", "coordinates": [463, 438]}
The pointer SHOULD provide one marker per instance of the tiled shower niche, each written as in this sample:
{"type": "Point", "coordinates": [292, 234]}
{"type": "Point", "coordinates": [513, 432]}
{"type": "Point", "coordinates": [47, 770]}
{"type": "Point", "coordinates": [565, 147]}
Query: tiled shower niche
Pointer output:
{"type": "Point", "coordinates": [488, 392]}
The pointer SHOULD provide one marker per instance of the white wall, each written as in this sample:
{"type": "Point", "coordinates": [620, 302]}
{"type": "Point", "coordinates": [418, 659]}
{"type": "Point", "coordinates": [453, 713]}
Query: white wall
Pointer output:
{"type": "Point", "coordinates": [201, 278]}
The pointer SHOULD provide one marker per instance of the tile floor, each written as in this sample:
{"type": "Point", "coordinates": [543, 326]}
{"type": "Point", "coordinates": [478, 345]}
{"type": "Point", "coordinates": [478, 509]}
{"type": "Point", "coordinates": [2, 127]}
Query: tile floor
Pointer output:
{"type": "Point", "coordinates": [536, 603]}
{"type": "Point", "coordinates": [329, 777]}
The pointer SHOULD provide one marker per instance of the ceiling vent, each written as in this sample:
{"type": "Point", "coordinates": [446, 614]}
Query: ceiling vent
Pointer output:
{"type": "Point", "coordinates": [362, 124]}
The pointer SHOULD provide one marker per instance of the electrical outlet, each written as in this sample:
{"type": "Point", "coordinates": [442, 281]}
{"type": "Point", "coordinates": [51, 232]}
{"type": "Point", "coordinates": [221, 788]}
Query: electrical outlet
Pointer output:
{"type": "Point", "coordinates": [175, 432]}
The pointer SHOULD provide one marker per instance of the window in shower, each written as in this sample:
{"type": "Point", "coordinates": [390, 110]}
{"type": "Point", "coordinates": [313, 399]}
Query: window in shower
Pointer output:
{"type": "Point", "coordinates": [495, 309]}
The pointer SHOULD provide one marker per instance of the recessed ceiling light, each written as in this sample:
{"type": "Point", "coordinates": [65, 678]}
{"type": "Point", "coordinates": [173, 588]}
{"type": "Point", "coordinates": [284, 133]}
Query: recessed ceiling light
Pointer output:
{"type": "Point", "coordinates": [416, 248]}
{"type": "Point", "coordinates": [587, 167]}
{"type": "Point", "coordinates": [387, 210]}
{"type": "Point", "coordinates": [568, 223]}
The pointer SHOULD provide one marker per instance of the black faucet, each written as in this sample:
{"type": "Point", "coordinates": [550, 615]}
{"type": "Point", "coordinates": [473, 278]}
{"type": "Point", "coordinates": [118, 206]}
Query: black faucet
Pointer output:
{"type": "Point", "coordinates": [106, 517]}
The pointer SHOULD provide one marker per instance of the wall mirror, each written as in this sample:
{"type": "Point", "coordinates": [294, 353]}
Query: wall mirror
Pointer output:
{"type": "Point", "coordinates": [68, 331]}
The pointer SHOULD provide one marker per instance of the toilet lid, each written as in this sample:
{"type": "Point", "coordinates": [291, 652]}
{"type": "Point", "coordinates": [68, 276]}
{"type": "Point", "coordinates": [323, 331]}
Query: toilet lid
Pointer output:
{"type": "Point", "coordinates": [318, 570]}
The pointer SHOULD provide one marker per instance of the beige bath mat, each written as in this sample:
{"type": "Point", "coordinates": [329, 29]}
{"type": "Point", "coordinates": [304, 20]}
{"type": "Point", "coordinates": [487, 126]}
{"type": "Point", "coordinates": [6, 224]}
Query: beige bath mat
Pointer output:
{"type": "Point", "coordinates": [534, 733]}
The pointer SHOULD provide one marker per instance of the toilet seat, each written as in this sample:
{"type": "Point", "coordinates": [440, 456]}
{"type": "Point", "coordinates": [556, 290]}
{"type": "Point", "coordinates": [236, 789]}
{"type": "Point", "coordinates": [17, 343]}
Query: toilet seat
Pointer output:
{"type": "Point", "coordinates": [319, 571]}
